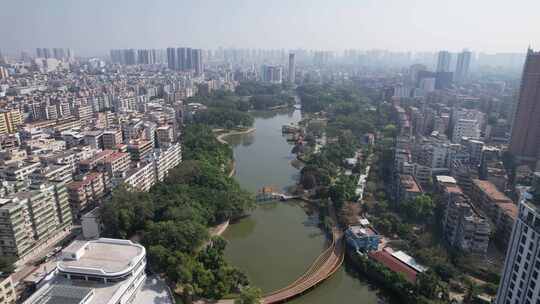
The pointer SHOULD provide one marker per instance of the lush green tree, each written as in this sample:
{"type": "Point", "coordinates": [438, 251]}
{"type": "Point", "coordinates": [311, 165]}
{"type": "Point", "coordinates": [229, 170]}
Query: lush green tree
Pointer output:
{"type": "Point", "coordinates": [428, 284]}
{"type": "Point", "coordinates": [250, 295]}
{"type": "Point", "coordinates": [223, 118]}
{"type": "Point", "coordinates": [264, 102]}
{"type": "Point", "coordinates": [343, 190]}
{"type": "Point", "coordinates": [200, 143]}
{"type": "Point", "coordinates": [183, 236]}
{"type": "Point", "coordinates": [249, 88]}
{"type": "Point", "coordinates": [308, 180]}
{"type": "Point", "coordinates": [420, 208]}
{"type": "Point", "coordinates": [126, 213]}
{"type": "Point", "coordinates": [390, 131]}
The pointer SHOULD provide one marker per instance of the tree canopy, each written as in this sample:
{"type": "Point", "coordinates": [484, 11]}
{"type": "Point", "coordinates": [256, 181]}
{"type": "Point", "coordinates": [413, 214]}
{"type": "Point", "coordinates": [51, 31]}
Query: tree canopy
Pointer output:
{"type": "Point", "coordinates": [223, 118]}
{"type": "Point", "coordinates": [249, 295]}
{"type": "Point", "coordinates": [172, 219]}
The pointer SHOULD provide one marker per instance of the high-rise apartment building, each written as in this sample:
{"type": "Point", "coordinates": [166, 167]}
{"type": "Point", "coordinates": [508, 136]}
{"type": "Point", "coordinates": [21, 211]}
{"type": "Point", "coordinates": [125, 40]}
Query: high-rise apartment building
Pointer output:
{"type": "Point", "coordinates": [519, 280]}
{"type": "Point", "coordinates": [33, 216]}
{"type": "Point", "coordinates": [43, 53]}
{"type": "Point", "coordinates": [9, 120]}
{"type": "Point", "coordinates": [146, 56]}
{"type": "Point", "coordinates": [189, 59]}
{"type": "Point", "coordinates": [466, 123]}
{"type": "Point", "coordinates": [181, 59]}
{"type": "Point", "coordinates": [272, 74]}
{"type": "Point", "coordinates": [197, 61]}
{"type": "Point", "coordinates": [443, 61]}
{"type": "Point", "coordinates": [464, 227]}
{"type": "Point", "coordinates": [166, 159]}
{"type": "Point", "coordinates": [3, 71]}
{"type": "Point", "coordinates": [292, 68]}
{"type": "Point", "coordinates": [126, 56]}
{"type": "Point", "coordinates": [462, 66]}
{"type": "Point", "coordinates": [171, 59]}
{"type": "Point", "coordinates": [59, 53]}
{"type": "Point", "coordinates": [185, 59]}
{"type": "Point", "coordinates": [525, 140]}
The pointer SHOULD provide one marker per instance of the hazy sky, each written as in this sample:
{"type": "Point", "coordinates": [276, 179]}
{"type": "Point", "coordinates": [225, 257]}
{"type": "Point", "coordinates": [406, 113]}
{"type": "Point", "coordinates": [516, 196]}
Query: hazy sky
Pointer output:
{"type": "Point", "coordinates": [97, 25]}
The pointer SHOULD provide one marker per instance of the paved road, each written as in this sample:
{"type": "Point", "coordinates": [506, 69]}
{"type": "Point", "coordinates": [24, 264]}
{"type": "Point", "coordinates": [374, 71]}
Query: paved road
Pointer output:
{"type": "Point", "coordinates": [26, 266]}
{"type": "Point", "coordinates": [153, 291]}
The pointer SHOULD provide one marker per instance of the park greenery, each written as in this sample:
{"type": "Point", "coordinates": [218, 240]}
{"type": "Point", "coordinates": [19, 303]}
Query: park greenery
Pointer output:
{"type": "Point", "coordinates": [227, 109]}
{"type": "Point", "coordinates": [252, 88]}
{"type": "Point", "coordinates": [249, 295]}
{"type": "Point", "coordinates": [223, 118]}
{"type": "Point", "coordinates": [172, 219]}
{"type": "Point", "coordinates": [222, 99]}
{"type": "Point", "coordinates": [338, 99]}
{"type": "Point", "coordinates": [266, 102]}
{"type": "Point", "coordinates": [349, 114]}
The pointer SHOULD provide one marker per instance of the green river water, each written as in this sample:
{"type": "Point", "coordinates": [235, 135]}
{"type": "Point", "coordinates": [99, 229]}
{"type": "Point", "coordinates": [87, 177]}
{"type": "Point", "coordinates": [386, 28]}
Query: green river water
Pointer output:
{"type": "Point", "coordinates": [278, 241]}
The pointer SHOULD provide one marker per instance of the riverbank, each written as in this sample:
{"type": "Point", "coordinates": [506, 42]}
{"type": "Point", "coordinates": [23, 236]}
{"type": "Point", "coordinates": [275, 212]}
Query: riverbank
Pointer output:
{"type": "Point", "coordinates": [221, 137]}
{"type": "Point", "coordinates": [288, 232]}
{"type": "Point", "coordinates": [219, 229]}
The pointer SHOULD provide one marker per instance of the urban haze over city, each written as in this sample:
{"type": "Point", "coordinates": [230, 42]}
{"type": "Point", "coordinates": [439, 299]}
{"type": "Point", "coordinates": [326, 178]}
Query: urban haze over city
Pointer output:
{"type": "Point", "coordinates": [258, 152]}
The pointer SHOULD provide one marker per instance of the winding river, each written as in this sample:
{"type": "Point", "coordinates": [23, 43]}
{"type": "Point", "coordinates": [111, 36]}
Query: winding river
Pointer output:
{"type": "Point", "coordinates": [279, 241]}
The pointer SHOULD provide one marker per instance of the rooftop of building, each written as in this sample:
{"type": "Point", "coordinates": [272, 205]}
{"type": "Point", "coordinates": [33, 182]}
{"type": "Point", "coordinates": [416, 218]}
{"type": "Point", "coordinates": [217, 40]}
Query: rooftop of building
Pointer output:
{"type": "Point", "coordinates": [510, 208]}
{"type": "Point", "coordinates": [360, 231]}
{"type": "Point", "coordinates": [63, 294]}
{"type": "Point", "coordinates": [112, 132]}
{"type": "Point", "coordinates": [65, 291]}
{"type": "Point", "coordinates": [491, 191]}
{"type": "Point", "coordinates": [115, 156]}
{"type": "Point", "coordinates": [98, 156]}
{"type": "Point", "coordinates": [453, 189]}
{"type": "Point", "coordinates": [93, 133]}
{"type": "Point", "coordinates": [135, 144]}
{"type": "Point", "coordinates": [87, 179]}
{"type": "Point", "coordinates": [394, 264]}
{"type": "Point", "coordinates": [107, 257]}
{"type": "Point", "coordinates": [408, 260]}
{"type": "Point", "coordinates": [445, 179]}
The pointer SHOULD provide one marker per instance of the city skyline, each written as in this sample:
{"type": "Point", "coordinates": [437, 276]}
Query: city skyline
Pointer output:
{"type": "Point", "coordinates": [419, 25]}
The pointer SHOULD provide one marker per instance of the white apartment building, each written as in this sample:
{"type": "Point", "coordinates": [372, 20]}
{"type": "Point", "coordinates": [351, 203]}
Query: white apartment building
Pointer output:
{"type": "Point", "coordinates": [165, 136]}
{"type": "Point", "coordinates": [19, 171]}
{"type": "Point", "coordinates": [111, 138]}
{"type": "Point", "coordinates": [102, 271]}
{"type": "Point", "coordinates": [519, 280]}
{"type": "Point", "coordinates": [167, 159]}
{"type": "Point", "coordinates": [29, 218]}
{"type": "Point", "coordinates": [466, 123]}
{"type": "Point", "coordinates": [142, 177]}
{"type": "Point", "coordinates": [464, 227]}
{"type": "Point", "coordinates": [469, 128]}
